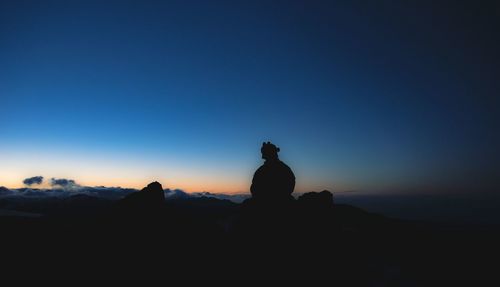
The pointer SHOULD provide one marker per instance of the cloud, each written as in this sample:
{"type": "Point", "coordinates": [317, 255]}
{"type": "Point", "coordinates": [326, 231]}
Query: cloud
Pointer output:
{"type": "Point", "coordinates": [28, 192]}
{"type": "Point", "coordinates": [33, 180]}
{"type": "Point", "coordinates": [175, 194]}
{"type": "Point", "coordinates": [63, 182]}
{"type": "Point", "coordinates": [112, 193]}
{"type": "Point", "coordinates": [63, 188]}
{"type": "Point", "coordinates": [237, 198]}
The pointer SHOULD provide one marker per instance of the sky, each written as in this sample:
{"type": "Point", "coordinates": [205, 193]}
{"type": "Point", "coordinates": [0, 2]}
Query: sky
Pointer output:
{"type": "Point", "coordinates": [372, 96]}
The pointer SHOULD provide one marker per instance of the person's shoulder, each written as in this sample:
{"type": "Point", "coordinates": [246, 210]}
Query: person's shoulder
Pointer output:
{"type": "Point", "coordinates": [260, 169]}
{"type": "Point", "coordinates": [284, 165]}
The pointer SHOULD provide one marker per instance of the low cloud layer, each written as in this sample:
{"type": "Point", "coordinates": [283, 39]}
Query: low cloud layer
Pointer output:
{"type": "Point", "coordinates": [63, 187]}
{"type": "Point", "coordinates": [175, 194]}
{"type": "Point", "coordinates": [238, 198]}
{"type": "Point", "coordinates": [33, 180]}
{"type": "Point", "coordinates": [111, 193]}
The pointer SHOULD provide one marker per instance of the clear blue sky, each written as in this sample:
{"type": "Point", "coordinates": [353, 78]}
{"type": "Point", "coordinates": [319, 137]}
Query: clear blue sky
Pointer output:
{"type": "Point", "coordinates": [359, 96]}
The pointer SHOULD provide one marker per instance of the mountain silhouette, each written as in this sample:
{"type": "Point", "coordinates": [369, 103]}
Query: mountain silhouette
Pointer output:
{"type": "Point", "coordinates": [269, 235]}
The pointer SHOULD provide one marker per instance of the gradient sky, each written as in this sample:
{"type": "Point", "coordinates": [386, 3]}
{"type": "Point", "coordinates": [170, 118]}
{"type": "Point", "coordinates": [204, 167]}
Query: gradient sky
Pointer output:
{"type": "Point", "coordinates": [376, 96]}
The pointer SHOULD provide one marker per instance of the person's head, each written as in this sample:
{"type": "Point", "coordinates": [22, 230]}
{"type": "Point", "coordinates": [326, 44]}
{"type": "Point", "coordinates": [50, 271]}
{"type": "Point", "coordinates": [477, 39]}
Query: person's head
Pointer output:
{"type": "Point", "coordinates": [269, 151]}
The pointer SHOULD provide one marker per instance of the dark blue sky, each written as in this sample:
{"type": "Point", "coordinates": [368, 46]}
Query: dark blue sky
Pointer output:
{"type": "Point", "coordinates": [359, 95]}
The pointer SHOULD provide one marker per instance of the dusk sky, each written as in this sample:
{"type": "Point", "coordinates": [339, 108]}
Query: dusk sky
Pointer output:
{"type": "Point", "coordinates": [378, 96]}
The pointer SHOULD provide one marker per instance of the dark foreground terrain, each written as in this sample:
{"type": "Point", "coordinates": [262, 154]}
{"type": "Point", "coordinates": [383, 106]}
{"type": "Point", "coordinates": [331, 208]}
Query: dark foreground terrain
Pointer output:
{"type": "Point", "coordinates": [306, 240]}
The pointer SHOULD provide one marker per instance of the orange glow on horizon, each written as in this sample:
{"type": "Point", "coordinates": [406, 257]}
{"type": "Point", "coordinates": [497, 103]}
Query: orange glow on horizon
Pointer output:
{"type": "Point", "coordinates": [11, 180]}
{"type": "Point", "coordinates": [128, 172]}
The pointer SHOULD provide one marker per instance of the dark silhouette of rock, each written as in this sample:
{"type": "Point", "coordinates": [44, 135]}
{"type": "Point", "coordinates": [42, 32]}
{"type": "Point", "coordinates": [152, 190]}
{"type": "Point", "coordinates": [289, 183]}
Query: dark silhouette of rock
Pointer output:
{"type": "Point", "coordinates": [316, 214]}
{"type": "Point", "coordinates": [148, 199]}
{"type": "Point", "coordinates": [316, 200]}
{"type": "Point", "coordinates": [274, 181]}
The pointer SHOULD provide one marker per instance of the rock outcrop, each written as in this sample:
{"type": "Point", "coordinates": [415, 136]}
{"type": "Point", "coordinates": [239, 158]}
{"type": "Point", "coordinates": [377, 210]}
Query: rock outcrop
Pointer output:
{"type": "Point", "coordinates": [316, 200]}
{"type": "Point", "coordinates": [149, 199]}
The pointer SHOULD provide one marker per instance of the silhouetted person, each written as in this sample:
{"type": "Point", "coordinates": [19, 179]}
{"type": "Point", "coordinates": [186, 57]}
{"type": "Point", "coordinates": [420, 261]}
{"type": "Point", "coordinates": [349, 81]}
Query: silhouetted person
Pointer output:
{"type": "Point", "coordinates": [274, 180]}
{"type": "Point", "coordinates": [269, 217]}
